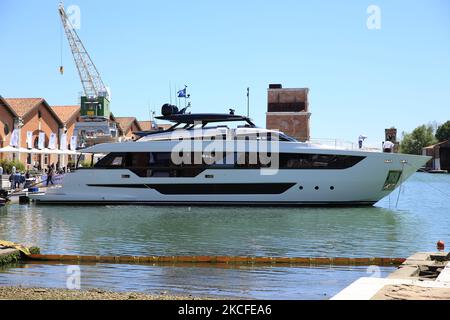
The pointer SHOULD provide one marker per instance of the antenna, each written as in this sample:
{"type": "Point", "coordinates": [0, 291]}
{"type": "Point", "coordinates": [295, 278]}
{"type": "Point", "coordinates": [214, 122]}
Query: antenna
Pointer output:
{"type": "Point", "coordinates": [149, 111]}
{"type": "Point", "coordinates": [170, 92]}
{"type": "Point", "coordinates": [248, 102]}
{"type": "Point", "coordinates": [186, 96]}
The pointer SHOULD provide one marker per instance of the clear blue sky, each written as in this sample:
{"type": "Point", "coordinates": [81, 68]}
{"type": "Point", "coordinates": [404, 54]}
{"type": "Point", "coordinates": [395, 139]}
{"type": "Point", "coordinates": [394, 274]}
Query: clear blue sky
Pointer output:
{"type": "Point", "coordinates": [360, 80]}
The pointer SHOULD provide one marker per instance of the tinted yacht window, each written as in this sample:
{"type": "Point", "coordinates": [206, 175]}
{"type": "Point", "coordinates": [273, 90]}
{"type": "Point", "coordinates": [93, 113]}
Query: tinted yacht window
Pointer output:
{"type": "Point", "coordinates": [194, 163]}
{"type": "Point", "coordinates": [317, 161]}
{"type": "Point", "coordinates": [113, 159]}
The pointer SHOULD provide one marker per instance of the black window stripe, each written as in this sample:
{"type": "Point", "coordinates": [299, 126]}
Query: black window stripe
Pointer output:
{"type": "Point", "coordinates": [208, 188]}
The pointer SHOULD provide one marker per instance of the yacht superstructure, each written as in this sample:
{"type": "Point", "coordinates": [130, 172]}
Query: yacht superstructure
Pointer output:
{"type": "Point", "coordinates": [198, 164]}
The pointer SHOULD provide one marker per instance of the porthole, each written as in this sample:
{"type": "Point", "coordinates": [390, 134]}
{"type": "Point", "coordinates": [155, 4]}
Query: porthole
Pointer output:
{"type": "Point", "coordinates": [316, 187]}
{"type": "Point", "coordinates": [301, 187]}
{"type": "Point", "coordinates": [332, 188]}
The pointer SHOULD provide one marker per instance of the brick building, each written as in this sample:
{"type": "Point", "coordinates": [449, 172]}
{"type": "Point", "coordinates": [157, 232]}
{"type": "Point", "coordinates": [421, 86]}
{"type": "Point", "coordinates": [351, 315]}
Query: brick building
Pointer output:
{"type": "Point", "coordinates": [440, 153]}
{"type": "Point", "coordinates": [7, 120]}
{"type": "Point", "coordinates": [69, 116]}
{"type": "Point", "coordinates": [288, 111]}
{"type": "Point", "coordinates": [146, 125]}
{"type": "Point", "coordinates": [128, 125]}
{"type": "Point", "coordinates": [35, 116]}
{"type": "Point", "coordinates": [152, 126]}
{"type": "Point", "coordinates": [38, 131]}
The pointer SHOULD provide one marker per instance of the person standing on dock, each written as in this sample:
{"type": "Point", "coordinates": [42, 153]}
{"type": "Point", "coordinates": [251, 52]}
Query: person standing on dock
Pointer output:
{"type": "Point", "coordinates": [388, 146]}
{"type": "Point", "coordinates": [361, 139]}
{"type": "Point", "coordinates": [50, 175]}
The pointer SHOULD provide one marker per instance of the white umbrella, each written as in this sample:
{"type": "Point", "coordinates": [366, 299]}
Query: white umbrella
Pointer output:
{"type": "Point", "coordinates": [10, 149]}
{"type": "Point", "coordinates": [35, 151]}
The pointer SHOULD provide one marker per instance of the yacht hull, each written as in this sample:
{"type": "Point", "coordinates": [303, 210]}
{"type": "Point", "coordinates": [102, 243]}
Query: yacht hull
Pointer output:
{"type": "Point", "coordinates": [362, 184]}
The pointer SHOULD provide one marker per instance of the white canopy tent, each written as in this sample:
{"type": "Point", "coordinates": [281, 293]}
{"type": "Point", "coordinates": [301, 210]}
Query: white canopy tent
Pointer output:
{"type": "Point", "coordinates": [63, 153]}
{"type": "Point", "coordinates": [10, 149]}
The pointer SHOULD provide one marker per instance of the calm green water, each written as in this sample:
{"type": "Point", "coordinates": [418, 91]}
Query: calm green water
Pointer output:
{"type": "Point", "coordinates": [421, 217]}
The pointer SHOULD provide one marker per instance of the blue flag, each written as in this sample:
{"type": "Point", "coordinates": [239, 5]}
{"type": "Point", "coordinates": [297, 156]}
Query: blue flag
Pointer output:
{"type": "Point", "coordinates": [182, 93]}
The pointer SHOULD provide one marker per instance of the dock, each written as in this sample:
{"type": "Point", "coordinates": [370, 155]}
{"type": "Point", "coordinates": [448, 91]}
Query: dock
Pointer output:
{"type": "Point", "coordinates": [424, 275]}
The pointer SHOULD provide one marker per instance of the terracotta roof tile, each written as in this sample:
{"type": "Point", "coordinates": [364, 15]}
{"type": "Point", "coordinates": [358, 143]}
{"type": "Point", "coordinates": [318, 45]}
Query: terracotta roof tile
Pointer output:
{"type": "Point", "coordinates": [125, 123]}
{"type": "Point", "coordinates": [22, 106]}
{"type": "Point", "coordinates": [65, 113]}
{"type": "Point", "coordinates": [8, 108]}
{"type": "Point", "coordinates": [146, 125]}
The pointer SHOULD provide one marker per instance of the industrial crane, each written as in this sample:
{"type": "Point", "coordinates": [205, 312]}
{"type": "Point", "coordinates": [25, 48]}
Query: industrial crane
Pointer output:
{"type": "Point", "coordinates": [96, 126]}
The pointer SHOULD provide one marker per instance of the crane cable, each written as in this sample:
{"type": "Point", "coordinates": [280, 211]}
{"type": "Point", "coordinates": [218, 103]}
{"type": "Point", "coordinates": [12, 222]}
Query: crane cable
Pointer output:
{"type": "Point", "coordinates": [431, 186]}
{"type": "Point", "coordinates": [400, 186]}
{"type": "Point", "coordinates": [421, 180]}
{"type": "Point", "coordinates": [61, 67]}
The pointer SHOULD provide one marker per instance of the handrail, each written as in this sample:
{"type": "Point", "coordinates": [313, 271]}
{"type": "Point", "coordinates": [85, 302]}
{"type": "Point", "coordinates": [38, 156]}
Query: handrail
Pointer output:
{"type": "Point", "coordinates": [341, 144]}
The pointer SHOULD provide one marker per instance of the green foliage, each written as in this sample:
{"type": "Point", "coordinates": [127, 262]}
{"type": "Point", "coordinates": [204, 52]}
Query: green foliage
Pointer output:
{"type": "Point", "coordinates": [9, 258]}
{"type": "Point", "coordinates": [8, 164]}
{"type": "Point", "coordinates": [34, 250]}
{"type": "Point", "coordinates": [86, 164]}
{"type": "Point", "coordinates": [443, 132]}
{"type": "Point", "coordinates": [421, 137]}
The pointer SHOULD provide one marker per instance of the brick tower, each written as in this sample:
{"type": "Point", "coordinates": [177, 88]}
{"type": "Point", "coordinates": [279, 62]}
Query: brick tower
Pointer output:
{"type": "Point", "coordinates": [287, 111]}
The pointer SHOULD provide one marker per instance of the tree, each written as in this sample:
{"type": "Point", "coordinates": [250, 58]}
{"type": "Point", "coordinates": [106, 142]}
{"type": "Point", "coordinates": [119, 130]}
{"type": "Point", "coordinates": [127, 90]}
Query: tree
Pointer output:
{"type": "Point", "coordinates": [421, 137]}
{"type": "Point", "coordinates": [443, 132]}
{"type": "Point", "coordinates": [8, 164]}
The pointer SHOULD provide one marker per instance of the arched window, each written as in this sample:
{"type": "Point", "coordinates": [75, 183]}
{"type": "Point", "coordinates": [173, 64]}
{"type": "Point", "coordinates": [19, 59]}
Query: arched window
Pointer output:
{"type": "Point", "coordinates": [6, 129]}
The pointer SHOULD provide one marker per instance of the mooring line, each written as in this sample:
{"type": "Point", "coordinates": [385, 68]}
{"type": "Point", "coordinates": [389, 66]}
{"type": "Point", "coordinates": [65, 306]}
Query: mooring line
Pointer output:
{"type": "Point", "coordinates": [400, 186]}
{"type": "Point", "coordinates": [431, 186]}
{"type": "Point", "coordinates": [240, 260]}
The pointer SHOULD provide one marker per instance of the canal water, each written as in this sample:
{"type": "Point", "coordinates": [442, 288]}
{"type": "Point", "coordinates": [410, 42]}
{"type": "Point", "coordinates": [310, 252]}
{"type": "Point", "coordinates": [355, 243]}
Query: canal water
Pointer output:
{"type": "Point", "coordinates": [411, 219]}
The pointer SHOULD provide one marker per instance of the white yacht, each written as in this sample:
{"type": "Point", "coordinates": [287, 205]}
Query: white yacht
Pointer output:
{"type": "Point", "coordinates": [196, 163]}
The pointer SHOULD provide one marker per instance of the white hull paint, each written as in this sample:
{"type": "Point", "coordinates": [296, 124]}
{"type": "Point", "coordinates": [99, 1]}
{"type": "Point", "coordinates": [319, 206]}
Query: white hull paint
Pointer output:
{"type": "Point", "coordinates": [361, 184]}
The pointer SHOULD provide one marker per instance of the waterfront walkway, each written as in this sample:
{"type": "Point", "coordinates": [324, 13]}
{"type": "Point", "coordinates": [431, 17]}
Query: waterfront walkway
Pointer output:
{"type": "Point", "coordinates": [423, 276]}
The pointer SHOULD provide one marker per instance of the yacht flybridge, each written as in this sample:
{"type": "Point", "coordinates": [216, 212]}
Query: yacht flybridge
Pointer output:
{"type": "Point", "coordinates": [199, 162]}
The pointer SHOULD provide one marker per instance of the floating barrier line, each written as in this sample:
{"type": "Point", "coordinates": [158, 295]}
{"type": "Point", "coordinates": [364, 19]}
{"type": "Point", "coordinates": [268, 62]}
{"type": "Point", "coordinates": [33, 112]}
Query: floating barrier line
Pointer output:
{"type": "Point", "coordinates": [241, 260]}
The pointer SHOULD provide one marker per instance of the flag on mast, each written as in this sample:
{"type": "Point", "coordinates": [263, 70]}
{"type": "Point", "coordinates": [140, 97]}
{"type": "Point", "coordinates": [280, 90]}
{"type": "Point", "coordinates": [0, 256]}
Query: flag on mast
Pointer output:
{"type": "Point", "coordinates": [182, 93]}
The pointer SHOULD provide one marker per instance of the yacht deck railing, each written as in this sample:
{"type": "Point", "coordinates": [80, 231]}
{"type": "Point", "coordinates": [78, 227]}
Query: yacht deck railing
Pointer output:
{"type": "Point", "coordinates": [342, 144]}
